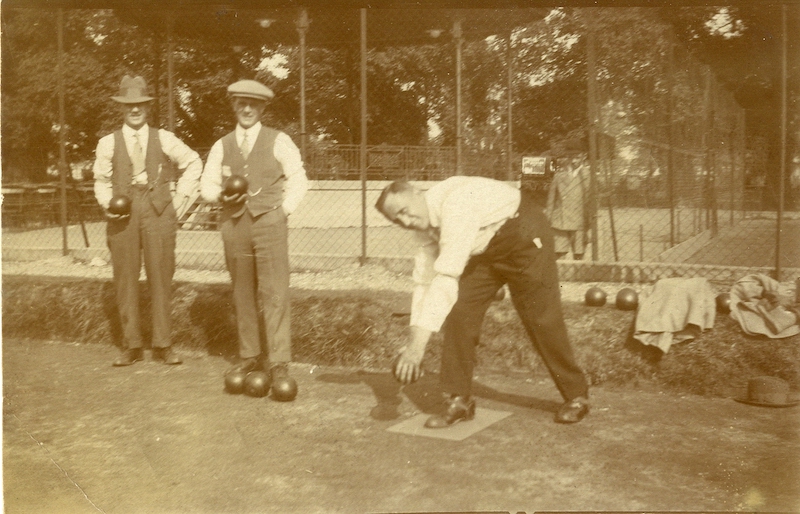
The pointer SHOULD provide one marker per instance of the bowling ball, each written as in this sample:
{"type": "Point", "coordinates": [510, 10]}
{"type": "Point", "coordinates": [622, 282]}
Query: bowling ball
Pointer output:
{"type": "Point", "coordinates": [723, 303]}
{"type": "Point", "coordinates": [595, 297]}
{"type": "Point", "coordinates": [120, 205]}
{"type": "Point", "coordinates": [234, 382]}
{"type": "Point", "coordinates": [257, 384]}
{"type": "Point", "coordinates": [284, 389]}
{"type": "Point", "coordinates": [235, 185]}
{"type": "Point", "coordinates": [414, 377]}
{"type": "Point", "coordinates": [627, 299]}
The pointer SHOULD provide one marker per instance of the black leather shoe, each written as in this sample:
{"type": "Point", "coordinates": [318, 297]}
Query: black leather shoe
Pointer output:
{"type": "Point", "coordinates": [167, 356]}
{"type": "Point", "coordinates": [279, 371]}
{"type": "Point", "coordinates": [129, 356]}
{"type": "Point", "coordinates": [458, 408]}
{"type": "Point", "coordinates": [573, 410]}
{"type": "Point", "coordinates": [246, 365]}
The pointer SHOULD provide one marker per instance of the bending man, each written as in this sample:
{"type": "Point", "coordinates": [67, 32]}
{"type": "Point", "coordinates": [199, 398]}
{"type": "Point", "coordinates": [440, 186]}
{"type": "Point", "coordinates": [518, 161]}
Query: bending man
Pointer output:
{"type": "Point", "coordinates": [476, 235]}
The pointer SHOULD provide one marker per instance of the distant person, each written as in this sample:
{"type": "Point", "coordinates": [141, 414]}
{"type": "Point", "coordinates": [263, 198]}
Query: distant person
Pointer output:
{"type": "Point", "coordinates": [254, 225]}
{"type": "Point", "coordinates": [567, 202]}
{"type": "Point", "coordinates": [138, 161]}
{"type": "Point", "coordinates": [475, 235]}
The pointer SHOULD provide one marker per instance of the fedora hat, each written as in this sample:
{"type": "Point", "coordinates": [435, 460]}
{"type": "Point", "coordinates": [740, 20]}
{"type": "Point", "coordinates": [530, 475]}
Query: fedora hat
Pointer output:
{"type": "Point", "coordinates": [132, 90]}
{"type": "Point", "coordinates": [768, 392]}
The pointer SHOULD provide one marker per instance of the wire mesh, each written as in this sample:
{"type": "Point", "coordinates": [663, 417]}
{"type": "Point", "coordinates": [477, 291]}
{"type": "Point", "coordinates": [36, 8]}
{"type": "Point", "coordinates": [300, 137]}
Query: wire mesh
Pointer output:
{"type": "Point", "coordinates": [674, 183]}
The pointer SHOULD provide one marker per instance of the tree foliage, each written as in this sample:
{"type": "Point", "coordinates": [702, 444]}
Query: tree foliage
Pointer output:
{"type": "Point", "coordinates": [410, 86]}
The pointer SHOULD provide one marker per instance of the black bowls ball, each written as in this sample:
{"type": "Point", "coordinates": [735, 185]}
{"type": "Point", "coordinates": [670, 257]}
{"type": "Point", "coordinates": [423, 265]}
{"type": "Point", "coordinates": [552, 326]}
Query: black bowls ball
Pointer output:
{"type": "Point", "coordinates": [235, 185]}
{"type": "Point", "coordinates": [120, 205]}
{"type": "Point", "coordinates": [234, 382]}
{"type": "Point", "coordinates": [257, 384]}
{"type": "Point", "coordinates": [723, 301]}
{"type": "Point", "coordinates": [284, 389]}
{"type": "Point", "coordinates": [627, 299]}
{"type": "Point", "coordinates": [595, 297]}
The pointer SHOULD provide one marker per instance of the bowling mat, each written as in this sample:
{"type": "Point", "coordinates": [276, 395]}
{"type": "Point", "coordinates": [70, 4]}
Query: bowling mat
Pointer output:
{"type": "Point", "coordinates": [458, 432]}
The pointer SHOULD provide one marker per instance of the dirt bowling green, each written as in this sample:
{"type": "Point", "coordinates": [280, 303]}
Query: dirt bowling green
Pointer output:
{"type": "Point", "coordinates": [83, 437]}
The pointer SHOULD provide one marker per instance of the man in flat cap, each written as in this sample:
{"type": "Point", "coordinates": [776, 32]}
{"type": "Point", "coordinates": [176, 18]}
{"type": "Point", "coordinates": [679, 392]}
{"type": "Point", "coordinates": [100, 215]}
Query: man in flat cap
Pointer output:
{"type": "Point", "coordinates": [139, 162]}
{"type": "Point", "coordinates": [254, 225]}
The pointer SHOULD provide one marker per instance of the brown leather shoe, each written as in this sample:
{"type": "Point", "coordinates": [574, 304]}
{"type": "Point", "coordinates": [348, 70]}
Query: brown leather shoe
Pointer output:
{"type": "Point", "coordinates": [458, 408]}
{"type": "Point", "coordinates": [128, 357]}
{"type": "Point", "coordinates": [245, 365]}
{"type": "Point", "coordinates": [573, 410]}
{"type": "Point", "coordinates": [167, 355]}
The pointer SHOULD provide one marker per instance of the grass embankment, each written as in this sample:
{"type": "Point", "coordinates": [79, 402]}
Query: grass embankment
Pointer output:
{"type": "Point", "coordinates": [361, 329]}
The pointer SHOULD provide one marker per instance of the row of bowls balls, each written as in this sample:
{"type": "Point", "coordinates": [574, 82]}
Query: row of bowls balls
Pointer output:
{"type": "Point", "coordinates": [628, 300]}
{"type": "Point", "coordinates": [258, 384]}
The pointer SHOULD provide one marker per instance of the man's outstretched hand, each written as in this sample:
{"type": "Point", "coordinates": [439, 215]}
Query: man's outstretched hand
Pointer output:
{"type": "Point", "coordinates": [407, 367]}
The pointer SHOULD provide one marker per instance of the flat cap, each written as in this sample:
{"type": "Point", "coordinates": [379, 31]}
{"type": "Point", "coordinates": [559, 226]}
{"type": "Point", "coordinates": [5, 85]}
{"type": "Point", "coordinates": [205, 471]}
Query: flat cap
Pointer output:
{"type": "Point", "coordinates": [250, 89]}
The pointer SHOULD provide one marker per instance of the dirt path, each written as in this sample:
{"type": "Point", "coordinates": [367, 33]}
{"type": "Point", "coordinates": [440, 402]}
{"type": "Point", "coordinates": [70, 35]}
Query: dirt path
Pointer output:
{"type": "Point", "coordinates": [81, 436]}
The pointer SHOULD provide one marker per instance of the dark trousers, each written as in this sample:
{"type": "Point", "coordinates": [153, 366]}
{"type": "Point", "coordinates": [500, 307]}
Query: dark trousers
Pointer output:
{"type": "Point", "coordinates": [512, 258]}
{"type": "Point", "coordinates": [144, 233]}
{"type": "Point", "coordinates": [257, 256]}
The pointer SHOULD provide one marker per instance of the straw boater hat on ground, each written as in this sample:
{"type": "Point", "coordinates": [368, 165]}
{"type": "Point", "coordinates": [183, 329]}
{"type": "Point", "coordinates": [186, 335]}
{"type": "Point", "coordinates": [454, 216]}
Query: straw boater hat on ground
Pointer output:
{"type": "Point", "coordinates": [768, 392]}
{"type": "Point", "coordinates": [132, 90]}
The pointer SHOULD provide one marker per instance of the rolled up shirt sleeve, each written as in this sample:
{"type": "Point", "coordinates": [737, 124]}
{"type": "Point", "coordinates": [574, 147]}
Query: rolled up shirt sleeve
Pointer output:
{"type": "Point", "coordinates": [211, 179]}
{"type": "Point", "coordinates": [102, 169]}
{"type": "Point", "coordinates": [434, 294]}
{"type": "Point", "coordinates": [288, 155]}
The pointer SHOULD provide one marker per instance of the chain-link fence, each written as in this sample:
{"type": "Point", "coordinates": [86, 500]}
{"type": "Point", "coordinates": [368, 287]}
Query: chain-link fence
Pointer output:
{"type": "Point", "coordinates": [671, 180]}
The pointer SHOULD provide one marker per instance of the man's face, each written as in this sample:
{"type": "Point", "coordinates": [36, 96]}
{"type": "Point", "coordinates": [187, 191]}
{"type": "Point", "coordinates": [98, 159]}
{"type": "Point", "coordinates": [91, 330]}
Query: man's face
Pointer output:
{"type": "Point", "coordinates": [248, 111]}
{"type": "Point", "coordinates": [135, 115]}
{"type": "Point", "coordinates": [408, 209]}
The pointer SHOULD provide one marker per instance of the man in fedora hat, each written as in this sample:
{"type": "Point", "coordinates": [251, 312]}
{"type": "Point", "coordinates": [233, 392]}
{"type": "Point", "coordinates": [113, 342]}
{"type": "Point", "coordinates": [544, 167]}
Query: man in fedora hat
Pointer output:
{"type": "Point", "coordinates": [138, 161]}
{"type": "Point", "coordinates": [567, 199]}
{"type": "Point", "coordinates": [254, 225]}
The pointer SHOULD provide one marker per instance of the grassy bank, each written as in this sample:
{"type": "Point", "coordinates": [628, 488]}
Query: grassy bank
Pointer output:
{"type": "Point", "coordinates": [362, 329]}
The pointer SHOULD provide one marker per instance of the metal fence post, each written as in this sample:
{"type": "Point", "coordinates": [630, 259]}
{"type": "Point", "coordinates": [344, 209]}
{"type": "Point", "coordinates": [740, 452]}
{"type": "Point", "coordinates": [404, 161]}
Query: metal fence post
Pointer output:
{"type": "Point", "coordinates": [782, 177]}
{"type": "Point", "coordinates": [62, 150]}
{"type": "Point", "coordinates": [363, 152]}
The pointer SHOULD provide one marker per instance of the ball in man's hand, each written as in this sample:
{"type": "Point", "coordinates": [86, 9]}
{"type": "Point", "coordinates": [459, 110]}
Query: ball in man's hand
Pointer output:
{"type": "Point", "coordinates": [120, 205]}
{"type": "Point", "coordinates": [235, 185]}
{"type": "Point", "coordinates": [414, 377]}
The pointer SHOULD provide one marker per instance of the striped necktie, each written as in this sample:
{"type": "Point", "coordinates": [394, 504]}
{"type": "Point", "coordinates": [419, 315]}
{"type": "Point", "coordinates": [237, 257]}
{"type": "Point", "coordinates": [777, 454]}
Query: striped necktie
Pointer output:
{"type": "Point", "coordinates": [138, 160]}
{"type": "Point", "coordinates": [245, 147]}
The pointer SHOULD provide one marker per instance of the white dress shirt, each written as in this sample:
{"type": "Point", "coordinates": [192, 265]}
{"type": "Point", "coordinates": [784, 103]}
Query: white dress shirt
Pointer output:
{"type": "Point", "coordinates": [285, 152]}
{"type": "Point", "coordinates": [184, 157]}
{"type": "Point", "coordinates": [468, 212]}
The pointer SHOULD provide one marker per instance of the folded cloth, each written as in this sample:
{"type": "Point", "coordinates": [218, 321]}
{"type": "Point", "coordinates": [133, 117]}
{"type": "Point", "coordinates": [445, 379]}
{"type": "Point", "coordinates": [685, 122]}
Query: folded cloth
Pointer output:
{"type": "Point", "coordinates": [674, 310]}
{"type": "Point", "coordinates": [764, 306]}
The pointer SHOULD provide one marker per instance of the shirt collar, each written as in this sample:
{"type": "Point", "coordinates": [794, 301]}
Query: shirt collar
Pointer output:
{"type": "Point", "coordinates": [127, 131]}
{"type": "Point", "coordinates": [252, 132]}
{"type": "Point", "coordinates": [434, 216]}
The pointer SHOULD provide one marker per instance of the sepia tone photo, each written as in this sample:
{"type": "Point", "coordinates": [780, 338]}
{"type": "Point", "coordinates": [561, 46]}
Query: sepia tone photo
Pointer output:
{"type": "Point", "coordinates": [400, 256]}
